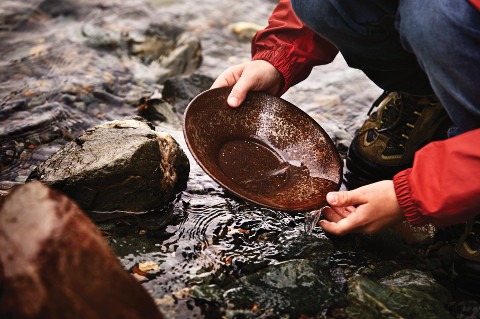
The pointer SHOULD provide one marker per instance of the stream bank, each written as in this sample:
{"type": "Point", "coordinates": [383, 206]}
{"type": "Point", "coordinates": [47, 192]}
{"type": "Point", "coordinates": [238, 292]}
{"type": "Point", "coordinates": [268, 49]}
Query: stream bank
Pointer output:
{"type": "Point", "coordinates": [70, 65]}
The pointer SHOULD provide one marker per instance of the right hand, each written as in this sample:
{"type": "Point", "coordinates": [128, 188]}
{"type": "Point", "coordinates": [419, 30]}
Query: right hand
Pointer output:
{"type": "Point", "coordinates": [258, 75]}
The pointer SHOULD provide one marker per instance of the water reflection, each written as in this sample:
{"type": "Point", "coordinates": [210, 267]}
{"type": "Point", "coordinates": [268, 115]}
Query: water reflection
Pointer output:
{"type": "Point", "coordinates": [312, 218]}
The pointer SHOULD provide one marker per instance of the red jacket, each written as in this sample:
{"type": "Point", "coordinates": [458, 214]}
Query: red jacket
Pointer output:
{"type": "Point", "coordinates": [442, 187]}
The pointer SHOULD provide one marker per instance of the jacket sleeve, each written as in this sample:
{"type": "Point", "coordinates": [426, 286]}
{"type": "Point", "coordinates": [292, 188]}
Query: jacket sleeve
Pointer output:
{"type": "Point", "coordinates": [443, 185]}
{"type": "Point", "coordinates": [291, 46]}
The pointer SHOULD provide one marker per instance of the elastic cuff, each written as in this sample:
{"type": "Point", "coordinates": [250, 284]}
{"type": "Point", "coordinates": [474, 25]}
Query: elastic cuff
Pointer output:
{"type": "Point", "coordinates": [405, 200]}
{"type": "Point", "coordinates": [278, 59]}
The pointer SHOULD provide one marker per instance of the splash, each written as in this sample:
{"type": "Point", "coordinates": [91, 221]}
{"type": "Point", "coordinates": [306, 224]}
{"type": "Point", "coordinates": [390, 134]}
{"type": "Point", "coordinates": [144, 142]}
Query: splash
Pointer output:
{"type": "Point", "coordinates": [311, 219]}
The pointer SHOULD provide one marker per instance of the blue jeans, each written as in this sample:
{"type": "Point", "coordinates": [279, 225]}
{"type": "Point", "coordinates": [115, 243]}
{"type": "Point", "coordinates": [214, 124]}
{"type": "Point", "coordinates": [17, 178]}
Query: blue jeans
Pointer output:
{"type": "Point", "coordinates": [413, 46]}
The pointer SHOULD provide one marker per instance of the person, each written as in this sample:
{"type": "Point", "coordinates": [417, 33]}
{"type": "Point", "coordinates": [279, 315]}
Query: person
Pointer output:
{"type": "Point", "coordinates": [425, 55]}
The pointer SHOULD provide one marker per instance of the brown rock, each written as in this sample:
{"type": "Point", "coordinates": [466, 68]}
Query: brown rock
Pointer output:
{"type": "Point", "coordinates": [54, 262]}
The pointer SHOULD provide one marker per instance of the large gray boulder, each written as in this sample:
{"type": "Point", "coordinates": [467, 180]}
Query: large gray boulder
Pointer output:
{"type": "Point", "coordinates": [122, 166]}
{"type": "Point", "coordinates": [54, 263]}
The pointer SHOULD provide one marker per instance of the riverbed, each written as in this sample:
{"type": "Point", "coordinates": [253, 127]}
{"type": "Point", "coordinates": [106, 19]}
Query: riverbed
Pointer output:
{"type": "Point", "coordinates": [220, 257]}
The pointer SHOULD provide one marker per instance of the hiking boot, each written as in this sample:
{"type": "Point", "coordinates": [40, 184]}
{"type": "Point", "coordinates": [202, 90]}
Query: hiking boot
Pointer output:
{"type": "Point", "coordinates": [389, 138]}
{"type": "Point", "coordinates": [466, 263]}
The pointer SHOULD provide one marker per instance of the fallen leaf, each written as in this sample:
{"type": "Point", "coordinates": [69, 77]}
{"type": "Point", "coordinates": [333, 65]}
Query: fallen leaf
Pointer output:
{"type": "Point", "coordinates": [137, 271]}
{"type": "Point", "coordinates": [148, 265]}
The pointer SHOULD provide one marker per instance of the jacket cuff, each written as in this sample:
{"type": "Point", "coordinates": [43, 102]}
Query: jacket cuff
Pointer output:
{"type": "Point", "coordinates": [278, 59]}
{"type": "Point", "coordinates": [405, 200]}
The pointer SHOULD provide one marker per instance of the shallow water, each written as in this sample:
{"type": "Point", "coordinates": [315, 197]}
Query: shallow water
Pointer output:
{"type": "Point", "coordinates": [215, 241]}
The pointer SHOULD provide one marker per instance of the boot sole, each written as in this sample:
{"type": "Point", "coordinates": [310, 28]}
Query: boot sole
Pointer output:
{"type": "Point", "coordinates": [466, 275]}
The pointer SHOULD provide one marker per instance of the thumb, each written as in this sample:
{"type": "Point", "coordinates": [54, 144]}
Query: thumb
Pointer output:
{"type": "Point", "coordinates": [245, 83]}
{"type": "Point", "coordinates": [238, 93]}
{"type": "Point", "coordinates": [345, 198]}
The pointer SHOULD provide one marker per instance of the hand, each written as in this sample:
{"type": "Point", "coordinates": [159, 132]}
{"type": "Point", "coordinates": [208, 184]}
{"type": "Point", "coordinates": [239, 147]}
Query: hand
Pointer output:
{"type": "Point", "coordinates": [367, 209]}
{"type": "Point", "coordinates": [255, 75]}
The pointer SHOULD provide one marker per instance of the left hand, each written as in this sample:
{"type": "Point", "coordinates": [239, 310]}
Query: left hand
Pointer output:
{"type": "Point", "coordinates": [368, 209]}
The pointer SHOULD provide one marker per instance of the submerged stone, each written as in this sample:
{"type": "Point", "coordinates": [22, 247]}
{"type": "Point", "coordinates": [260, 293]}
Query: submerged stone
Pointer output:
{"type": "Point", "coordinates": [179, 91]}
{"type": "Point", "coordinates": [54, 263]}
{"type": "Point", "coordinates": [121, 166]}
{"type": "Point", "coordinates": [207, 292]}
{"type": "Point", "coordinates": [418, 280]}
{"type": "Point", "coordinates": [158, 111]}
{"type": "Point", "coordinates": [294, 288]}
{"type": "Point", "coordinates": [368, 299]}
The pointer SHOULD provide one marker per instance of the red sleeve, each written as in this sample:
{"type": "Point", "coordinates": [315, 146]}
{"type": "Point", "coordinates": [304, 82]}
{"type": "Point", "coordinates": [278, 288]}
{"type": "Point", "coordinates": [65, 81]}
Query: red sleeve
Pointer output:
{"type": "Point", "coordinates": [443, 186]}
{"type": "Point", "coordinates": [291, 46]}
{"type": "Point", "coordinates": [475, 3]}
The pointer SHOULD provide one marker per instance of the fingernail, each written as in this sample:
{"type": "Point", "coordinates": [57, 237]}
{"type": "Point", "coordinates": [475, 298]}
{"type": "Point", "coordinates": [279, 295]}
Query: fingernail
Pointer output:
{"type": "Point", "coordinates": [232, 101]}
{"type": "Point", "coordinates": [332, 198]}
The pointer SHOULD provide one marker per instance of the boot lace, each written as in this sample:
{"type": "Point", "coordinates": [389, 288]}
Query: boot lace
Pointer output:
{"type": "Point", "coordinates": [397, 119]}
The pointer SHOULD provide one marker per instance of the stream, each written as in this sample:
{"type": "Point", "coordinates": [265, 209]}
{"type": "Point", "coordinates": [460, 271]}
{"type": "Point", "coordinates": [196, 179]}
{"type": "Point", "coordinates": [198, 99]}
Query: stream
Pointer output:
{"type": "Point", "coordinates": [66, 67]}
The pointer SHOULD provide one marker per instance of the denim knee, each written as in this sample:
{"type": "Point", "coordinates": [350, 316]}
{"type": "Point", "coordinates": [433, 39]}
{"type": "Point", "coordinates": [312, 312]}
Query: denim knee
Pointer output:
{"type": "Point", "coordinates": [424, 28]}
{"type": "Point", "coordinates": [338, 20]}
{"type": "Point", "coordinates": [316, 14]}
{"type": "Point", "coordinates": [365, 34]}
{"type": "Point", "coordinates": [444, 35]}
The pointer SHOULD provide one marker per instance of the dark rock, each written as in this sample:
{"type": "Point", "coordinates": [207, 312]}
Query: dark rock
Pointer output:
{"type": "Point", "coordinates": [163, 49]}
{"type": "Point", "coordinates": [54, 262]}
{"type": "Point", "coordinates": [121, 166]}
{"type": "Point", "coordinates": [417, 280]}
{"type": "Point", "coordinates": [293, 244]}
{"type": "Point", "coordinates": [368, 299]}
{"type": "Point", "coordinates": [295, 287]}
{"type": "Point", "coordinates": [467, 309]}
{"type": "Point", "coordinates": [179, 91]}
{"type": "Point", "coordinates": [416, 235]}
{"type": "Point", "coordinates": [446, 253]}
{"type": "Point", "coordinates": [207, 293]}
{"type": "Point", "coordinates": [56, 8]}
{"type": "Point", "coordinates": [157, 110]}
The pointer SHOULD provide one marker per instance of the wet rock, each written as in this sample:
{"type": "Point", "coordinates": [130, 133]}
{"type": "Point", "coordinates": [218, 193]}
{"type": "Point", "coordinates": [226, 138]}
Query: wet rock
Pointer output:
{"type": "Point", "coordinates": [245, 30]}
{"type": "Point", "coordinates": [54, 262]}
{"type": "Point", "coordinates": [467, 309]}
{"type": "Point", "coordinates": [119, 166]}
{"type": "Point", "coordinates": [156, 110]}
{"type": "Point", "coordinates": [292, 288]}
{"type": "Point", "coordinates": [418, 280]}
{"type": "Point", "coordinates": [416, 235]}
{"type": "Point", "coordinates": [368, 299]}
{"type": "Point", "coordinates": [179, 91]}
{"type": "Point", "coordinates": [13, 14]}
{"type": "Point", "coordinates": [207, 293]}
{"type": "Point", "coordinates": [295, 244]}
{"type": "Point", "coordinates": [185, 58]}
{"type": "Point", "coordinates": [165, 47]}
{"type": "Point", "coordinates": [55, 8]}
{"type": "Point", "coordinates": [446, 253]}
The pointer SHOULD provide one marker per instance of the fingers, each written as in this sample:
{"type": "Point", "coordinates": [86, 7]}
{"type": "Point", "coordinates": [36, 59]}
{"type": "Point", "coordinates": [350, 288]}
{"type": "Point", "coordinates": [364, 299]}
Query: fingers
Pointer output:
{"type": "Point", "coordinates": [256, 75]}
{"type": "Point", "coordinates": [251, 79]}
{"type": "Point", "coordinates": [335, 214]}
{"type": "Point", "coordinates": [346, 198]}
{"type": "Point", "coordinates": [229, 77]}
{"type": "Point", "coordinates": [241, 81]}
{"type": "Point", "coordinates": [368, 209]}
{"type": "Point", "coordinates": [340, 227]}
